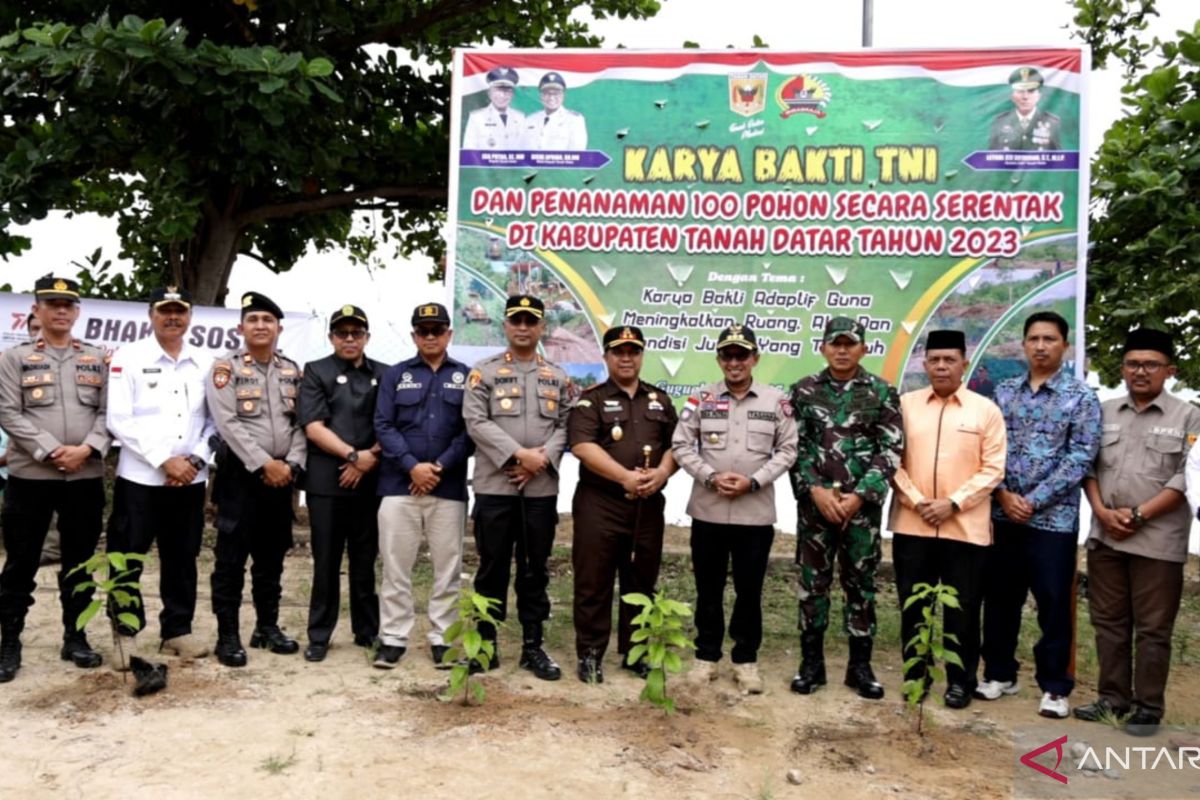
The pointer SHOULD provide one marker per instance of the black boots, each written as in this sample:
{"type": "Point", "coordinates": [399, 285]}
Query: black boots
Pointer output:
{"type": "Point", "coordinates": [77, 650]}
{"type": "Point", "coordinates": [858, 671]}
{"type": "Point", "coordinates": [10, 648]}
{"type": "Point", "coordinates": [270, 637]}
{"type": "Point", "coordinates": [229, 650]}
{"type": "Point", "coordinates": [533, 657]}
{"type": "Point", "coordinates": [811, 675]}
{"type": "Point", "coordinates": [590, 668]}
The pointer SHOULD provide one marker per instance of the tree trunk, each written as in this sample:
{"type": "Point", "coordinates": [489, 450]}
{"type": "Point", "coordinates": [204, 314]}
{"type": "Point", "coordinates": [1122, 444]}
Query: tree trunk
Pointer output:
{"type": "Point", "coordinates": [208, 274]}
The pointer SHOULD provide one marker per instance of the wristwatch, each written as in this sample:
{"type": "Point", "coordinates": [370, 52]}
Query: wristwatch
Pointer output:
{"type": "Point", "coordinates": [196, 461]}
{"type": "Point", "coordinates": [352, 456]}
{"type": "Point", "coordinates": [754, 487]}
{"type": "Point", "coordinates": [1138, 519]}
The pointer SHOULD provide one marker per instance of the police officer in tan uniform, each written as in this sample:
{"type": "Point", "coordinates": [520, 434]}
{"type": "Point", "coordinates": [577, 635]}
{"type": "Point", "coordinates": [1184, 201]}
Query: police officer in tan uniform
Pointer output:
{"type": "Point", "coordinates": [620, 431]}
{"type": "Point", "coordinates": [252, 398]}
{"type": "Point", "coordinates": [515, 410]}
{"type": "Point", "coordinates": [734, 438]}
{"type": "Point", "coordinates": [52, 404]}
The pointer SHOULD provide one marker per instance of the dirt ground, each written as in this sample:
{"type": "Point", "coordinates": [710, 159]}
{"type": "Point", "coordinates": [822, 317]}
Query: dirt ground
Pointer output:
{"type": "Point", "coordinates": [282, 726]}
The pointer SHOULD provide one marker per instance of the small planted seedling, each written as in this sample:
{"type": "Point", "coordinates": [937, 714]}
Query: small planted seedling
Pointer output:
{"type": "Point", "coordinates": [110, 579]}
{"type": "Point", "coordinates": [658, 636]}
{"type": "Point", "coordinates": [928, 644]}
{"type": "Point", "coordinates": [467, 645]}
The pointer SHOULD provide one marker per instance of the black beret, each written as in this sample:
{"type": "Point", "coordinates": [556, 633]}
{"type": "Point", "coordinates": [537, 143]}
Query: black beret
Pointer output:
{"type": "Point", "coordinates": [253, 301]}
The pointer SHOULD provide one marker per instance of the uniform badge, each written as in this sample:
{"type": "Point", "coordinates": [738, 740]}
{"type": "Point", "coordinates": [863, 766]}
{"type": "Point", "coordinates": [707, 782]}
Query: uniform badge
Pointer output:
{"type": "Point", "coordinates": [551, 405]}
{"type": "Point", "coordinates": [457, 377]}
{"type": "Point", "coordinates": [374, 381]}
{"type": "Point", "coordinates": [246, 371]}
{"type": "Point", "coordinates": [501, 392]}
{"type": "Point", "coordinates": [506, 404]}
{"type": "Point", "coordinates": [617, 432]}
{"type": "Point", "coordinates": [689, 407]}
{"type": "Point", "coordinates": [474, 378]}
{"type": "Point", "coordinates": [342, 379]}
{"type": "Point", "coordinates": [584, 403]}
{"type": "Point", "coordinates": [1191, 438]}
{"type": "Point", "coordinates": [785, 406]}
{"type": "Point", "coordinates": [653, 396]}
{"type": "Point", "coordinates": [504, 371]}
{"type": "Point", "coordinates": [221, 378]}
{"type": "Point", "coordinates": [713, 438]}
{"type": "Point", "coordinates": [248, 405]}
{"type": "Point", "coordinates": [406, 377]}
{"type": "Point", "coordinates": [37, 394]}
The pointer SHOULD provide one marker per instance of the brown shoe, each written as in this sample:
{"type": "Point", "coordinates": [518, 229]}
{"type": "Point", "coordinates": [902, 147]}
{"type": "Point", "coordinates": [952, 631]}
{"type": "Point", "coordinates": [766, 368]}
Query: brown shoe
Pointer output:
{"type": "Point", "coordinates": [185, 646]}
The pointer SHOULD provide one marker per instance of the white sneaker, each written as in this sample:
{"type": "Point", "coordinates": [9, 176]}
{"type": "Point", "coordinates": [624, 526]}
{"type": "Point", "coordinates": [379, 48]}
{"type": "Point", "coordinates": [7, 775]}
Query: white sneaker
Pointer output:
{"type": "Point", "coordinates": [747, 677]}
{"type": "Point", "coordinates": [993, 690]}
{"type": "Point", "coordinates": [702, 672]}
{"type": "Point", "coordinates": [1054, 706]}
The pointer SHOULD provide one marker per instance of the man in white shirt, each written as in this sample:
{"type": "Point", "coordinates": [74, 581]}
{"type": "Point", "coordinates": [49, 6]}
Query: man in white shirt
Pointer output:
{"type": "Point", "coordinates": [496, 126]}
{"type": "Point", "coordinates": [554, 127]}
{"type": "Point", "coordinates": [158, 412]}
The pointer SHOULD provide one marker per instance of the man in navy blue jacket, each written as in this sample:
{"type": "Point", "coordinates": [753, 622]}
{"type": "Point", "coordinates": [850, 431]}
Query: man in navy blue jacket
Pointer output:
{"type": "Point", "coordinates": [423, 482]}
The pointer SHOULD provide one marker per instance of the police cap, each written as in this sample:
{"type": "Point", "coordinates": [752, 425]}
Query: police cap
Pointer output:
{"type": "Point", "coordinates": [524, 304]}
{"type": "Point", "coordinates": [49, 287]}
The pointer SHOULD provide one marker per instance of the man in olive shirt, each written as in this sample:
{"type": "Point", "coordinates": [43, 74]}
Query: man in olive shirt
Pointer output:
{"type": "Point", "coordinates": [52, 404]}
{"type": "Point", "coordinates": [516, 411]}
{"type": "Point", "coordinates": [735, 438]}
{"type": "Point", "coordinates": [252, 399]}
{"type": "Point", "coordinates": [1140, 526]}
{"type": "Point", "coordinates": [620, 431]}
{"type": "Point", "coordinates": [337, 412]}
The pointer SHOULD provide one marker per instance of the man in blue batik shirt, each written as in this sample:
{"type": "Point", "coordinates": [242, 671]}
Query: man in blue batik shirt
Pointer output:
{"type": "Point", "coordinates": [423, 481]}
{"type": "Point", "coordinates": [1053, 422]}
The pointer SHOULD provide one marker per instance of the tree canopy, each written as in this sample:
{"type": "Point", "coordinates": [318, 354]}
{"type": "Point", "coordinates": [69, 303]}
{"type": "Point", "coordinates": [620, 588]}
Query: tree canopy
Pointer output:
{"type": "Point", "coordinates": [217, 128]}
{"type": "Point", "coordinates": [1145, 215]}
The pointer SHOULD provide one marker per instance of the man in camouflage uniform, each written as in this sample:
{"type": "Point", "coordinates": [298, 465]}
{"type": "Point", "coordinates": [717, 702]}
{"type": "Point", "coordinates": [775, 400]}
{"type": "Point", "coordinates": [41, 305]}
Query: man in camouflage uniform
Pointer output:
{"type": "Point", "coordinates": [851, 436]}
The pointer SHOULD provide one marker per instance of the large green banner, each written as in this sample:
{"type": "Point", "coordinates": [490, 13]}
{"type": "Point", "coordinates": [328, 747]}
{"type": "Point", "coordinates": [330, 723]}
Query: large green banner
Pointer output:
{"type": "Point", "coordinates": [686, 191]}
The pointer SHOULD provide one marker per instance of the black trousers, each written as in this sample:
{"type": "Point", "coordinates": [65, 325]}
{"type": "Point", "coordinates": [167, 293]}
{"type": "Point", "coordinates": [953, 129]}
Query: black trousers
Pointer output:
{"type": "Point", "coordinates": [1023, 559]}
{"type": "Point", "coordinates": [28, 507]}
{"type": "Point", "coordinates": [714, 546]}
{"type": "Point", "coordinates": [505, 525]}
{"type": "Point", "coordinates": [928, 559]}
{"type": "Point", "coordinates": [617, 539]}
{"type": "Point", "coordinates": [174, 516]}
{"type": "Point", "coordinates": [339, 524]}
{"type": "Point", "coordinates": [254, 521]}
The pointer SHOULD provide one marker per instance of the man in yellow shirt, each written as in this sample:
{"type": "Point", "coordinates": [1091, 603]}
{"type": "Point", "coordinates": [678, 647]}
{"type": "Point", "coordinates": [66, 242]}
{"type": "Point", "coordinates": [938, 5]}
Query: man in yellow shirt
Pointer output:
{"type": "Point", "coordinates": [954, 451]}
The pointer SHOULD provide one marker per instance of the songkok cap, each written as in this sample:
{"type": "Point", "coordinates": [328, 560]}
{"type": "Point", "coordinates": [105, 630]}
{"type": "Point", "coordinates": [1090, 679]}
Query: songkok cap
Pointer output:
{"type": "Point", "coordinates": [1150, 339]}
{"type": "Point", "coordinates": [626, 334]}
{"type": "Point", "coordinates": [253, 301]}
{"type": "Point", "coordinates": [946, 340]}
{"type": "Point", "coordinates": [348, 312]}
{"type": "Point", "coordinates": [524, 304]}
{"type": "Point", "coordinates": [738, 336]}
{"type": "Point", "coordinates": [434, 313]}
{"type": "Point", "coordinates": [1026, 78]}
{"type": "Point", "coordinates": [502, 76]}
{"type": "Point", "coordinates": [49, 287]}
{"type": "Point", "coordinates": [852, 329]}
{"type": "Point", "coordinates": [170, 295]}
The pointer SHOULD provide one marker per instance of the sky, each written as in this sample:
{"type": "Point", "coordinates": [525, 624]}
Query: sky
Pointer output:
{"type": "Point", "coordinates": [321, 282]}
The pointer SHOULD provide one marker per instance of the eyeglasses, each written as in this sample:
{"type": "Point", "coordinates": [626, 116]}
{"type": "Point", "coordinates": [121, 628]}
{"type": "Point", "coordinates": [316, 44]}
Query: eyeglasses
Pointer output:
{"type": "Point", "coordinates": [734, 355]}
{"type": "Point", "coordinates": [425, 332]}
{"type": "Point", "coordinates": [1149, 367]}
{"type": "Point", "coordinates": [351, 335]}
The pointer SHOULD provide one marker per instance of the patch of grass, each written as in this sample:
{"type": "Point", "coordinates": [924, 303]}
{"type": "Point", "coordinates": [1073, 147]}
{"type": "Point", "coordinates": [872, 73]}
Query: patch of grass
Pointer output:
{"type": "Point", "coordinates": [277, 765]}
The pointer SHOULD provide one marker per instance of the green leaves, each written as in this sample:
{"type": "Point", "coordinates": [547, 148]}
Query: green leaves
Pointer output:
{"type": "Point", "coordinates": [109, 572]}
{"type": "Point", "coordinates": [467, 645]}
{"type": "Point", "coordinates": [928, 644]}
{"type": "Point", "coordinates": [658, 636]}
